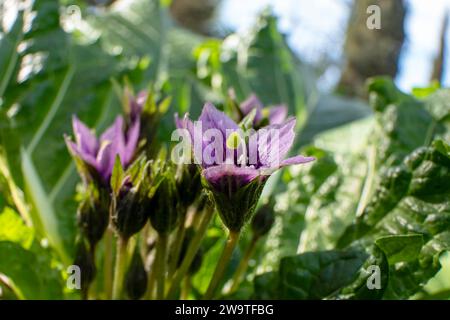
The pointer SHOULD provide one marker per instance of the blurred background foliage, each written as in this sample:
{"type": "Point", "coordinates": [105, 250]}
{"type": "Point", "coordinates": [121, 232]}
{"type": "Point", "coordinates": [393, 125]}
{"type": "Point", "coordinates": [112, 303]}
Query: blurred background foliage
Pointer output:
{"type": "Point", "coordinates": [59, 58]}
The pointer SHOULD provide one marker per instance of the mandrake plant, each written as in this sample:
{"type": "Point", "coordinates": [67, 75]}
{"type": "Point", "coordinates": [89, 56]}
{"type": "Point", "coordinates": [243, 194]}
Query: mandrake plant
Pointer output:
{"type": "Point", "coordinates": [101, 210]}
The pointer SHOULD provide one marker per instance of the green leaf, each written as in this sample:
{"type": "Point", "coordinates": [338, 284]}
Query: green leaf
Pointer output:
{"type": "Point", "coordinates": [8, 52]}
{"type": "Point", "coordinates": [73, 78]}
{"type": "Point", "coordinates": [44, 213]}
{"type": "Point", "coordinates": [333, 274]}
{"type": "Point", "coordinates": [374, 272]}
{"type": "Point", "coordinates": [401, 248]}
{"type": "Point", "coordinates": [265, 286]}
{"type": "Point", "coordinates": [12, 228]}
{"type": "Point", "coordinates": [117, 176]}
{"type": "Point", "coordinates": [316, 275]}
{"type": "Point", "coordinates": [412, 198]}
{"type": "Point", "coordinates": [31, 274]}
{"type": "Point", "coordinates": [392, 180]}
{"type": "Point", "coordinates": [426, 92]}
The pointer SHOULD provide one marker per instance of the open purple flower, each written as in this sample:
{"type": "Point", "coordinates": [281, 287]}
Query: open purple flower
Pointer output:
{"type": "Point", "coordinates": [271, 115]}
{"type": "Point", "coordinates": [100, 154]}
{"type": "Point", "coordinates": [239, 172]}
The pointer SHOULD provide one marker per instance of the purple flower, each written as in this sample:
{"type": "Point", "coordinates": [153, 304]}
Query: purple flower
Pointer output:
{"type": "Point", "coordinates": [137, 104]}
{"type": "Point", "coordinates": [276, 114]}
{"type": "Point", "coordinates": [247, 106]}
{"type": "Point", "coordinates": [237, 182]}
{"type": "Point", "coordinates": [100, 153]}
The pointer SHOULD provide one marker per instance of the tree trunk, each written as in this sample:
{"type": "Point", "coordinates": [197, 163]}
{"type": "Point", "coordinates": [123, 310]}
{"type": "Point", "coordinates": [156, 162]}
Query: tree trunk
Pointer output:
{"type": "Point", "coordinates": [440, 61]}
{"type": "Point", "coordinates": [371, 52]}
{"type": "Point", "coordinates": [194, 14]}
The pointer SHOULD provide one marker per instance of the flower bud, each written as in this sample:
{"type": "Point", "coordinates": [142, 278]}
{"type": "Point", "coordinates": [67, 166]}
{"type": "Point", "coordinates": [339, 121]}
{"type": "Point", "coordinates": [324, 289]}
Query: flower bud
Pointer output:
{"type": "Point", "coordinates": [131, 211]}
{"type": "Point", "coordinates": [263, 220]}
{"type": "Point", "coordinates": [164, 206]}
{"type": "Point", "coordinates": [84, 259]}
{"type": "Point", "coordinates": [136, 278]}
{"type": "Point", "coordinates": [92, 217]}
{"type": "Point", "coordinates": [189, 184]}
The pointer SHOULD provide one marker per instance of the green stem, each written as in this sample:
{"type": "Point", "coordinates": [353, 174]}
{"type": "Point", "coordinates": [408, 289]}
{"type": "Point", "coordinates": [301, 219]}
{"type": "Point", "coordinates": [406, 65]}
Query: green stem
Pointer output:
{"type": "Point", "coordinates": [108, 271]}
{"type": "Point", "coordinates": [222, 264]}
{"type": "Point", "coordinates": [151, 280]}
{"type": "Point", "coordinates": [119, 271]}
{"type": "Point", "coordinates": [177, 245]}
{"type": "Point", "coordinates": [161, 248]}
{"type": "Point", "coordinates": [186, 288]}
{"type": "Point", "coordinates": [190, 254]}
{"type": "Point", "coordinates": [243, 264]}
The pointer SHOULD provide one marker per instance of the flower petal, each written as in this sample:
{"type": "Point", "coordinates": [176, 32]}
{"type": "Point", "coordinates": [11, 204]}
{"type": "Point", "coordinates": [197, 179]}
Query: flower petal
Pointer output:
{"type": "Point", "coordinates": [277, 114]}
{"type": "Point", "coordinates": [137, 104]}
{"type": "Point", "coordinates": [105, 159]}
{"type": "Point", "coordinates": [229, 178]}
{"type": "Point", "coordinates": [251, 103]}
{"type": "Point", "coordinates": [132, 141]}
{"type": "Point", "coordinates": [274, 142]}
{"type": "Point", "coordinates": [212, 118]}
{"type": "Point", "coordinates": [185, 123]}
{"type": "Point", "coordinates": [75, 150]}
{"type": "Point", "coordinates": [84, 137]}
{"type": "Point", "coordinates": [296, 160]}
{"type": "Point", "coordinates": [114, 131]}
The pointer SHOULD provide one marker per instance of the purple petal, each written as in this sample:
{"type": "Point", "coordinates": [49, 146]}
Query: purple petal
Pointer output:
{"type": "Point", "coordinates": [131, 143]}
{"type": "Point", "coordinates": [137, 104]}
{"type": "Point", "coordinates": [84, 137]}
{"type": "Point", "coordinates": [296, 160]}
{"type": "Point", "coordinates": [229, 178]}
{"type": "Point", "coordinates": [105, 159]}
{"type": "Point", "coordinates": [278, 114]}
{"type": "Point", "coordinates": [251, 103]}
{"type": "Point", "coordinates": [185, 123]}
{"type": "Point", "coordinates": [114, 139]}
{"type": "Point", "coordinates": [75, 150]}
{"type": "Point", "coordinates": [114, 131]}
{"type": "Point", "coordinates": [274, 142]}
{"type": "Point", "coordinates": [213, 118]}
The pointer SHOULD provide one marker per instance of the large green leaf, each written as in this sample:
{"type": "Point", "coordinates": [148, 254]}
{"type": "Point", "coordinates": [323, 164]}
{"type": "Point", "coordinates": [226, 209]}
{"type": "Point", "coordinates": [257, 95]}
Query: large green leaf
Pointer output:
{"type": "Point", "coordinates": [325, 274]}
{"type": "Point", "coordinates": [52, 78]}
{"type": "Point", "coordinates": [30, 272]}
{"type": "Point", "coordinates": [144, 30]}
{"type": "Point", "coordinates": [376, 173]}
{"type": "Point", "coordinates": [412, 198]}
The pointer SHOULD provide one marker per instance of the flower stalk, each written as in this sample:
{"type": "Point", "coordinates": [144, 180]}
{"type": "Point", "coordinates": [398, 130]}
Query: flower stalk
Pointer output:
{"type": "Point", "coordinates": [222, 264]}
{"type": "Point", "coordinates": [120, 267]}
{"type": "Point", "coordinates": [160, 265]}
{"type": "Point", "coordinates": [243, 264]}
{"type": "Point", "coordinates": [108, 258]}
{"type": "Point", "coordinates": [190, 254]}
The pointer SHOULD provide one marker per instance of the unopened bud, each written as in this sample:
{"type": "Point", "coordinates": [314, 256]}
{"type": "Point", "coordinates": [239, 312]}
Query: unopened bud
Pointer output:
{"type": "Point", "coordinates": [263, 220]}
{"type": "Point", "coordinates": [136, 278]}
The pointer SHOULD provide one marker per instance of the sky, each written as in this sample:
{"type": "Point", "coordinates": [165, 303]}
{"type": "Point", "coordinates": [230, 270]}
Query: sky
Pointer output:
{"type": "Point", "coordinates": [313, 27]}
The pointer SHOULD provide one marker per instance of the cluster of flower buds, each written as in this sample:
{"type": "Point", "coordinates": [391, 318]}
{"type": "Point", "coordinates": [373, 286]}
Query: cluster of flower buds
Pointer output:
{"type": "Point", "coordinates": [129, 184]}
